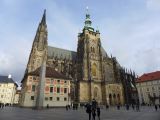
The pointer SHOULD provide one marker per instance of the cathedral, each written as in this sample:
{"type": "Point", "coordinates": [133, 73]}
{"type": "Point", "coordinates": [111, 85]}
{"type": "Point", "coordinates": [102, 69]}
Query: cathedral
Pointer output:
{"type": "Point", "coordinates": [91, 72]}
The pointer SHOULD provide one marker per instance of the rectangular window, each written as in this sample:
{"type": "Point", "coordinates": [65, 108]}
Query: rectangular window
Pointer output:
{"type": "Point", "coordinates": [65, 81]}
{"type": "Point", "coordinates": [65, 99]}
{"type": "Point", "coordinates": [57, 98]}
{"type": "Point", "coordinates": [32, 97]}
{"type": "Point", "coordinates": [51, 89]}
{"type": "Point", "coordinates": [65, 90]}
{"type": "Point", "coordinates": [50, 98]}
{"type": "Point", "coordinates": [33, 88]}
{"type": "Point", "coordinates": [46, 98]}
{"type": "Point", "coordinates": [58, 90]}
{"type": "Point", "coordinates": [58, 81]}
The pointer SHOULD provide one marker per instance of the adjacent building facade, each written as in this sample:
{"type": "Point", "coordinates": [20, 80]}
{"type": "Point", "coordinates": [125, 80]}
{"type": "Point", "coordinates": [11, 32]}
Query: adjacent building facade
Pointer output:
{"type": "Point", "coordinates": [16, 97]}
{"type": "Point", "coordinates": [7, 90]}
{"type": "Point", "coordinates": [93, 74]}
{"type": "Point", "coordinates": [148, 86]}
{"type": "Point", "coordinates": [56, 90]}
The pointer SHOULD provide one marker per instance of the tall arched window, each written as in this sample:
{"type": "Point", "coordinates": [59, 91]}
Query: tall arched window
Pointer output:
{"type": "Point", "coordinates": [94, 69]}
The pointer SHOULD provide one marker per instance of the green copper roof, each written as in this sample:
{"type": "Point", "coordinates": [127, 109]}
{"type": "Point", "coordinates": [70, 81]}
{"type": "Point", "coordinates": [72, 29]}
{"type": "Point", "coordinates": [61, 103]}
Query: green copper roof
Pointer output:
{"type": "Point", "coordinates": [88, 22]}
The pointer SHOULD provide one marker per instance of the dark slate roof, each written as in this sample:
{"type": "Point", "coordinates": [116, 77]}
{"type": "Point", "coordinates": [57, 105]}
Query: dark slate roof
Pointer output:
{"type": "Point", "coordinates": [61, 53]}
{"type": "Point", "coordinates": [5, 79]}
{"type": "Point", "coordinates": [50, 72]}
{"type": "Point", "coordinates": [67, 54]}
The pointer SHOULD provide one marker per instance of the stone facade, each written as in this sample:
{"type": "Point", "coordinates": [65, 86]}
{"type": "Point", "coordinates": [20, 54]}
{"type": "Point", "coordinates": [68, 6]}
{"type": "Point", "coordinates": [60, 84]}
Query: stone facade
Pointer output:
{"type": "Point", "coordinates": [56, 90]}
{"type": "Point", "coordinates": [90, 68]}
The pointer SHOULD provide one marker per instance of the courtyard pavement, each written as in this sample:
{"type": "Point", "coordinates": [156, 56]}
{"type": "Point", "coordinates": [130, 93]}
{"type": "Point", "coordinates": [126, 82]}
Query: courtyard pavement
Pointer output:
{"type": "Point", "coordinates": [15, 113]}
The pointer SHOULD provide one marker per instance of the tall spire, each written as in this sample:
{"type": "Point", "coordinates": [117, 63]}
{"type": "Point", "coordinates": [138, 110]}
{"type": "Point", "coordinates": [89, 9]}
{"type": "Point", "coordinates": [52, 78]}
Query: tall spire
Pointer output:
{"type": "Point", "coordinates": [43, 21]}
{"type": "Point", "coordinates": [88, 22]}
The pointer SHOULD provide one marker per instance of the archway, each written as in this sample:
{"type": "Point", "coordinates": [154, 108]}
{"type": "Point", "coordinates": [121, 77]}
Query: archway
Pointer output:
{"type": "Point", "coordinates": [114, 99]}
{"type": "Point", "coordinates": [110, 99]}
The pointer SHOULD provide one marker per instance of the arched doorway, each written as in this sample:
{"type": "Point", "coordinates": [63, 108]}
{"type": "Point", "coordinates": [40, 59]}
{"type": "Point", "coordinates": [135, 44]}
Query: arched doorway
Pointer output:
{"type": "Point", "coordinates": [114, 99]}
{"type": "Point", "coordinates": [110, 99]}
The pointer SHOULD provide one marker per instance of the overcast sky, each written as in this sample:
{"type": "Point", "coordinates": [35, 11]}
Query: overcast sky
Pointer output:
{"type": "Point", "coordinates": [130, 30]}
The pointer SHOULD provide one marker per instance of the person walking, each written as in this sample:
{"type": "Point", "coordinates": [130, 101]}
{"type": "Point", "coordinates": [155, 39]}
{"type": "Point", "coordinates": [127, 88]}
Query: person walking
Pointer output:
{"type": "Point", "coordinates": [67, 107]}
{"type": "Point", "coordinates": [98, 112]}
{"type": "Point", "coordinates": [127, 107]}
{"type": "Point", "coordinates": [118, 106]}
{"type": "Point", "coordinates": [93, 113]}
{"type": "Point", "coordinates": [88, 110]}
{"type": "Point", "coordinates": [107, 106]}
{"type": "Point", "coordinates": [137, 107]}
{"type": "Point", "coordinates": [156, 107]}
{"type": "Point", "coordinates": [133, 106]}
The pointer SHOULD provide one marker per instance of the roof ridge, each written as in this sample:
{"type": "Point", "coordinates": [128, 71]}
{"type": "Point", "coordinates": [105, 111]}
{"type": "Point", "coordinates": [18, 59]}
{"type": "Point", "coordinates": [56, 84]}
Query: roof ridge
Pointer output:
{"type": "Point", "coordinates": [62, 48]}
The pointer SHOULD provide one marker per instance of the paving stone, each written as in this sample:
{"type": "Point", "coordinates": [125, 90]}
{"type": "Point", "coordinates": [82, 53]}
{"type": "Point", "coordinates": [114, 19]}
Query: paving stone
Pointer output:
{"type": "Point", "coordinates": [15, 113]}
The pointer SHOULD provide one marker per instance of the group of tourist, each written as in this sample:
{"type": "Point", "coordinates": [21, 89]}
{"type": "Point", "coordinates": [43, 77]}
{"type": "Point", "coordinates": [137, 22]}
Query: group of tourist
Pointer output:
{"type": "Point", "coordinates": [92, 111]}
{"type": "Point", "coordinates": [73, 106]}
{"type": "Point", "coordinates": [2, 105]}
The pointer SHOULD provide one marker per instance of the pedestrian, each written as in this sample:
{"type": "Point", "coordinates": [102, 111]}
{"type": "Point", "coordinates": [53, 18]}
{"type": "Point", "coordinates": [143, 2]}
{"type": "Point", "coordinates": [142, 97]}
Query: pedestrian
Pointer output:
{"type": "Point", "coordinates": [88, 110]}
{"type": "Point", "coordinates": [156, 107]}
{"type": "Point", "coordinates": [118, 106]}
{"type": "Point", "coordinates": [67, 107]}
{"type": "Point", "coordinates": [133, 106]}
{"type": "Point", "coordinates": [107, 106]}
{"type": "Point", "coordinates": [93, 113]}
{"type": "Point", "coordinates": [2, 105]}
{"type": "Point", "coordinates": [98, 112]}
{"type": "Point", "coordinates": [137, 107]}
{"type": "Point", "coordinates": [47, 106]}
{"type": "Point", "coordinates": [127, 107]}
{"type": "Point", "coordinates": [159, 106]}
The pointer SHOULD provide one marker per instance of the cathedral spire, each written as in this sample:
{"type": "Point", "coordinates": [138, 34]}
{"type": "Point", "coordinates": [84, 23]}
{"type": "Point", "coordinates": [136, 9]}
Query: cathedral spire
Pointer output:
{"type": "Point", "coordinates": [88, 22]}
{"type": "Point", "coordinates": [43, 21]}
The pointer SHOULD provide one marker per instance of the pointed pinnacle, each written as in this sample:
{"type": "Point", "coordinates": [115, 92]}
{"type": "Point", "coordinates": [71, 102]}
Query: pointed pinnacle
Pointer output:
{"type": "Point", "coordinates": [44, 17]}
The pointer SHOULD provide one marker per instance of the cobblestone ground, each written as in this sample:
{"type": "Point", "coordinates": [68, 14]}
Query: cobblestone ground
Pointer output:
{"type": "Point", "coordinates": [15, 113]}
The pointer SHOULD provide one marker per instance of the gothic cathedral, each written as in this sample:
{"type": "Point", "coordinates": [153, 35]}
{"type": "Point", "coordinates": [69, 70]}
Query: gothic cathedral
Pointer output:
{"type": "Point", "coordinates": [93, 74]}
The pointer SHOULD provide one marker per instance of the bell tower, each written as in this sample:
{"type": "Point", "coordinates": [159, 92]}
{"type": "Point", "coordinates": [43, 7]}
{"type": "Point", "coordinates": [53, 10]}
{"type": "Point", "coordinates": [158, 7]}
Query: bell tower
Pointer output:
{"type": "Point", "coordinates": [89, 63]}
